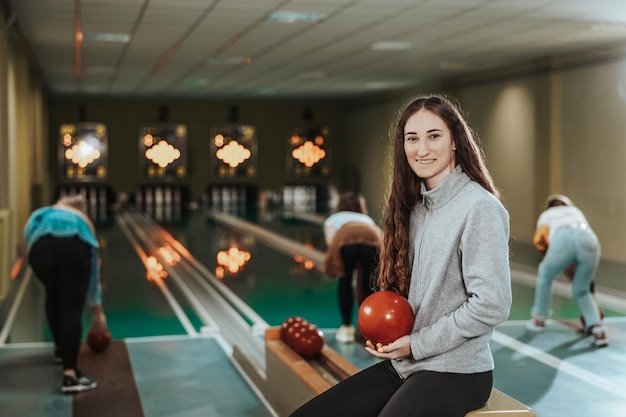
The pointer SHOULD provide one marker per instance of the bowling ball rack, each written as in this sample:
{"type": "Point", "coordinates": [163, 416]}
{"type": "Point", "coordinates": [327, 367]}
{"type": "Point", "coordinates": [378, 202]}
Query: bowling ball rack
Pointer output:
{"type": "Point", "coordinates": [287, 371]}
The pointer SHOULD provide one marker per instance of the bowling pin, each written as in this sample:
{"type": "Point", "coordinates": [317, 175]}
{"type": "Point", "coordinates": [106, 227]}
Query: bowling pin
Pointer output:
{"type": "Point", "coordinates": [312, 198]}
{"type": "Point", "coordinates": [298, 198]}
{"type": "Point", "coordinates": [242, 198]}
{"type": "Point", "coordinates": [158, 204]}
{"type": "Point", "coordinates": [139, 198]}
{"type": "Point", "coordinates": [216, 197]}
{"type": "Point", "coordinates": [103, 203]}
{"type": "Point", "coordinates": [167, 203]}
{"type": "Point", "coordinates": [93, 202]}
{"type": "Point", "coordinates": [225, 199]}
{"type": "Point", "coordinates": [148, 208]}
{"type": "Point", "coordinates": [287, 197]}
{"type": "Point", "coordinates": [177, 204]}
{"type": "Point", "coordinates": [235, 200]}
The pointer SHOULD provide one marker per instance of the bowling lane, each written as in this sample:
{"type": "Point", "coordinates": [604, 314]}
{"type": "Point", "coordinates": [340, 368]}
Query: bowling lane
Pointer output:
{"type": "Point", "coordinates": [270, 282]}
{"type": "Point", "coordinates": [307, 230]}
{"type": "Point", "coordinates": [135, 307]}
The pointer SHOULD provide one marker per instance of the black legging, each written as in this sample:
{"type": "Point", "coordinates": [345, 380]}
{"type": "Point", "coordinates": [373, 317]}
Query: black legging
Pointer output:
{"type": "Point", "coordinates": [355, 256]}
{"type": "Point", "coordinates": [63, 265]}
{"type": "Point", "coordinates": [378, 391]}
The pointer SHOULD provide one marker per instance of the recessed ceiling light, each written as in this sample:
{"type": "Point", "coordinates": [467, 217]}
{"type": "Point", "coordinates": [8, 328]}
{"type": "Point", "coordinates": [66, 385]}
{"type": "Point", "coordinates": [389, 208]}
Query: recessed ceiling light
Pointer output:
{"type": "Point", "coordinates": [92, 88]}
{"type": "Point", "coordinates": [229, 60]}
{"type": "Point", "coordinates": [378, 85]}
{"type": "Point", "coordinates": [606, 27]}
{"type": "Point", "coordinates": [315, 75]}
{"type": "Point", "coordinates": [100, 70]}
{"type": "Point", "coordinates": [194, 82]}
{"type": "Point", "coordinates": [287, 16]}
{"type": "Point", "coordinates": [388, 84]}
{"type": "Point", "coordinates": [392, 46]}
{"type": "Point", "coordinates": [107, 37]}
{"type": "Point", "coordinates": [459, 65]}
{"type": "Point", "coordinates": [264, 91]}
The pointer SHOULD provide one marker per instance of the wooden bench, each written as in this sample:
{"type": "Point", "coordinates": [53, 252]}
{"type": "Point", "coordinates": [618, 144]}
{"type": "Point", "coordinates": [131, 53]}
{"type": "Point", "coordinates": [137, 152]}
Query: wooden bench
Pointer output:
{"type": "Point", "coordinates": [500, 404]}
{"type": "Point", "coordinates": [292, 380]}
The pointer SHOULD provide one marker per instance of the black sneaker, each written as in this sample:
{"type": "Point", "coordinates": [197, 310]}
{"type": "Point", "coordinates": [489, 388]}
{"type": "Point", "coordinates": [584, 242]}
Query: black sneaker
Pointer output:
{"type": "Point", "coordinates": [80, 383]}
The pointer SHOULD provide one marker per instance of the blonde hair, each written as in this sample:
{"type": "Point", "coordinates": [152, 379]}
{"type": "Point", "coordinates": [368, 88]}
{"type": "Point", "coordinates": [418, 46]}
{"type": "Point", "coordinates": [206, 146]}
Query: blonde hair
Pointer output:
{"type": "Point", "coordinates": [76, 201]}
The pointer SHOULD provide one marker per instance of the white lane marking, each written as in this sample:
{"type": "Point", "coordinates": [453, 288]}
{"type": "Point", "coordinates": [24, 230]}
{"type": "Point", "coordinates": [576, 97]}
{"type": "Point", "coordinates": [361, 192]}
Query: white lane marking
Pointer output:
{"type": "Point", "coordinates": [557, 363]}
{"type": "Point", "coordinates": [17, 302]}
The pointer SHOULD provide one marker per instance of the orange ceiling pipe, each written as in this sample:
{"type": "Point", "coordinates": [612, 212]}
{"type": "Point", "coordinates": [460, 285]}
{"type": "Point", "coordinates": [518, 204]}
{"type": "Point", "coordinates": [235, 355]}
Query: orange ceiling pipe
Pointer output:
{"type": "Point", "coordinates": [78, 42]}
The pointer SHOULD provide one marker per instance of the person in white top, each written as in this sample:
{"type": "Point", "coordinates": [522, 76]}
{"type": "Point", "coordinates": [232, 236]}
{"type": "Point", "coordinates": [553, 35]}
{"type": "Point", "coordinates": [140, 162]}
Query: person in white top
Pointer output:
{"type": "Point", "coordinates": [568, 243]}
{"type": "Point", "coordinates": [353, 240]}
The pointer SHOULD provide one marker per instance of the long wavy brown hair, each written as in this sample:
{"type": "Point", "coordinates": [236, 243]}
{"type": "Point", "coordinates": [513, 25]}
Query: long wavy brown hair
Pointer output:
{"type": "Point", "coordinates": [394, 269]}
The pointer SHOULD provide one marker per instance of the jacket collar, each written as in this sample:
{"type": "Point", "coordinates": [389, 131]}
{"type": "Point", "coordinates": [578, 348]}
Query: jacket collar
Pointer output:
{"type": "Point", "coordinates": [444, 192]}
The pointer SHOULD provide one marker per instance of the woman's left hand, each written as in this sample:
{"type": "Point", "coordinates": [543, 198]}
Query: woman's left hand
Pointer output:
{"type": "Point", "coordinates": [396, 350]}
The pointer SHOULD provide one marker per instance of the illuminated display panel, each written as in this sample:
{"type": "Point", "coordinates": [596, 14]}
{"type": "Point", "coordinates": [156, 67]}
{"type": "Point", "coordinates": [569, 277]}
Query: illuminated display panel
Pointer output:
{"type": "Point", "coordinates": [233, 255]}
{"type": "Point", "coordinates": [83, 152]}
{"type": "Point", "coordinates": [163, 151]}
{"type": "Point", "coordinates": [308, 153]}
{"type": "Point", "coordinates": [234, 152]}
{"type": "Point", "coordinates": [231, 261]}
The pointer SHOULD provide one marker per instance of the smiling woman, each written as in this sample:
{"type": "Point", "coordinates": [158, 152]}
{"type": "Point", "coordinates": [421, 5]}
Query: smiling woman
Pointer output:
{"type": "Point", "coordinates": [445, 248]}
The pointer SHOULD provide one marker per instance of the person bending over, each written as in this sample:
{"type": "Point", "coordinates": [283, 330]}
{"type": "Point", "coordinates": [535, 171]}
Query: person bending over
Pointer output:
{"type": "Point", "coordinates": [353, 240]}
{"type": "Point", "coordinates": [62, 250]}
{"type": "Point", "coordinates": [568, 244]}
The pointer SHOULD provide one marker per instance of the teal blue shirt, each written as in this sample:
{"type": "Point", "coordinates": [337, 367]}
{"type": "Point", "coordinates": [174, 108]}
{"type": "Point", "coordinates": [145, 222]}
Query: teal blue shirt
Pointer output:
{"type": "Point", "coordinates": [64, 223]}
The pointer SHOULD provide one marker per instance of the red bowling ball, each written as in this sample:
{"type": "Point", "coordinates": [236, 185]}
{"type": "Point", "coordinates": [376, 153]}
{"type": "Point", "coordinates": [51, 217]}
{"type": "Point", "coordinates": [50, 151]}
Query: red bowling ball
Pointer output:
{"type": "Point", "coordinates": [384, 317]}
{"type": "Point", "coordinates": [294, 329]}
{"type": "Point", "coordinates": [98, 341]}
{"type": "Point", "coordinates": [284, 328]}
{"type": "Point", "coordinates": [307, 341]}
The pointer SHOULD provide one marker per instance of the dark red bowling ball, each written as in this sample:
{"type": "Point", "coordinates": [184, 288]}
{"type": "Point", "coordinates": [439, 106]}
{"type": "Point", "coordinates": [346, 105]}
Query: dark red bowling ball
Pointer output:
{"type": "Point", "coordinates": [308, 341]}
{"type": "Point", "coordinates": [97, 340]}
{"type": "Point", "coordinates": [293, 330]}
{"type": "Point", "coordinates": [287, 324]}
{"type": "Point", "coordinates": [384, 317]}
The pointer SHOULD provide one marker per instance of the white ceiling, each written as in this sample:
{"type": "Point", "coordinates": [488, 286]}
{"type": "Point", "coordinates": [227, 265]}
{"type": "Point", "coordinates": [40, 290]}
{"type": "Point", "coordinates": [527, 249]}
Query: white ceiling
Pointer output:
{"type": "Point", "coordinates": [182, 47]}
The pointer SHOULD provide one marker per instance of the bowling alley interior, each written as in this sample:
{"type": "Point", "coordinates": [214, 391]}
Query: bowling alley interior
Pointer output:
{"type": "Point", "coordinates": [211, 140]}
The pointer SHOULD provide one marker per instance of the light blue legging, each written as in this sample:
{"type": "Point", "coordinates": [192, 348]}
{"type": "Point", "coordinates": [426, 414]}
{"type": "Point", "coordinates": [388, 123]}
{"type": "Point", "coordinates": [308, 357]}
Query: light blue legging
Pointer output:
{"type": "Point", "coordinates": [570, 245]}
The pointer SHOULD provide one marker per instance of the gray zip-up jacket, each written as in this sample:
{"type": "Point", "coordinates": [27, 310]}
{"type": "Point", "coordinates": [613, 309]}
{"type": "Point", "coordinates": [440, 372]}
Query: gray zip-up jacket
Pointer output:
{"type": "Point", "coordinates": [460, 279]}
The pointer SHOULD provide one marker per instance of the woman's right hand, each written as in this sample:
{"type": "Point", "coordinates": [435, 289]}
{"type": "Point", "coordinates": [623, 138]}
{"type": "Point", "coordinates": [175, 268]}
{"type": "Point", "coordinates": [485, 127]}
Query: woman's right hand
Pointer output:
{"type": "Point", "coordinates": [397, 350]}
